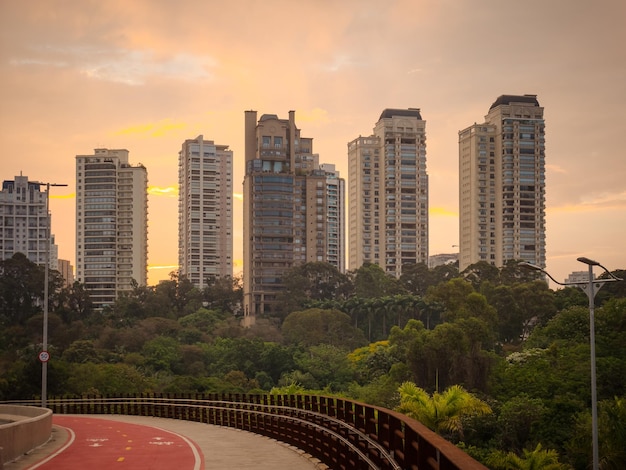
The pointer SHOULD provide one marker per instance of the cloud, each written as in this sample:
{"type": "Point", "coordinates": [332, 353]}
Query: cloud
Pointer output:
{"type": "Point", "coordinates": [555, 168]}
{"type": "Point", "coordinates": [130, 67]}
{"type": "Point", "coordinates": [168, 266]}
{"type": "Point", "coordinates": [339, 62]}
{"type": "Point", "coordinates": [314, 116]}
{"type": "Point", "coordinates": [442, 211]}
{"type": "Point", "coordinates": [169, 191]}
{"type": "Point", "coordinates": [595, 202]}
{"type": "Point", "coordinates": [154, 129]}
{"type": "Point", "coordinates": [238, 196]}
{"type": "Point", "coordinates": [63, 196]}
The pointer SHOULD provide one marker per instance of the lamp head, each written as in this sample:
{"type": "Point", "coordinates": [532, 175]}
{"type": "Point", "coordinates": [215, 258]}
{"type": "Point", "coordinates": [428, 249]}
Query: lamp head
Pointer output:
{"type": "Point", "coordinates": [526, 265]}
{"type": "Point", "coordinates": [588, 261]}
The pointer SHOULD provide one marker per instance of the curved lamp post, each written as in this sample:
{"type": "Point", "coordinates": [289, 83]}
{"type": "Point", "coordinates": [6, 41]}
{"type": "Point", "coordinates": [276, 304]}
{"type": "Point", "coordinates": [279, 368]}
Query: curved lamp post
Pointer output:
{"type": "Point", "coordinates": [591, 288]}
{"type": "Point", "coordinates": [43, 355]}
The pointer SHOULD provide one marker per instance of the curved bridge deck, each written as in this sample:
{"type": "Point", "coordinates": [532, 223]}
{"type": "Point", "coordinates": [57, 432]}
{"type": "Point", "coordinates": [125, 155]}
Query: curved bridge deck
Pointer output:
{"type": "Point", "coordinates": [342, 434]}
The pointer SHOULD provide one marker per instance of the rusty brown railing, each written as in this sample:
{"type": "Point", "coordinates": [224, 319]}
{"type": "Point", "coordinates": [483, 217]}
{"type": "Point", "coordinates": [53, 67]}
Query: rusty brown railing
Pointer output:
{"type": "Point", "coordinates": [343, 434]}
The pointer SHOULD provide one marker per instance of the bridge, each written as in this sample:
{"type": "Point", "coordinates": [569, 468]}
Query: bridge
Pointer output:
{"type": "Point", "coordinates": [343, 434]}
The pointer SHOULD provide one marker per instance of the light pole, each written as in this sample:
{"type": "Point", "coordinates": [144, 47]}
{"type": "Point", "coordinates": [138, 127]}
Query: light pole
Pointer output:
{"type": "Point", "coordinates": [44, 356]}
{"type": "Point", "coordinates": [590, 289]}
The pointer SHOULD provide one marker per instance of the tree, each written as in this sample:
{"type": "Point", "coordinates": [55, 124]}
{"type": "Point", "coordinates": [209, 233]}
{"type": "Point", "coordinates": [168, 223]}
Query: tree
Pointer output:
{"type": "Point", "coordinates": [611, 436]}
{"type": "Point", "coordinates": [444, 273]}
{"type": "Point", "coordinates": [162, 354]}
{"type": "Point", "coordinates": [517, 420]}
{"type": "Point", "coordinates": [316, 326]}
{"type": "Point", "coordinates": [177, 297]}
{"type": "Point", "coordinates": [512, 273]}
{"type": "Point", "coordinates": [82, 351]}
{"type": "Point", "coordinates": [612, 290]}
{"type": "Point", "coordinates": [510, 315]}
{"type": "Point", "coordinates": [114, 379]}
{"type": "Point", "coordinates": [314, 281]}
{"type": "Point", "coordinates": [537, 302]}
{"type": "Point", "coordinates": [415, 278]}
{"type": "Point", "coordinates": [570, 297]}
{"type": "Point", "coordinates": [452, 294]}
{"type": "Point", "coordinates": [21, 289]}
{"type": "Point", "coordinates": [225, 293]}
{"type": "Point", "coordinates": [328, 364]}
{"type": "Point", "coordinates": [202, 319]}
{"type": "Point", "coordinates": [75, 303]}
{"type": "Point", "coordinates": [444, 412]}
{"type": "Point", "coordinates": [370, 281]}
{"type": "Point", "coordinates": [480, 272]}
{"type": "Point", "coordinates": [537, 459]}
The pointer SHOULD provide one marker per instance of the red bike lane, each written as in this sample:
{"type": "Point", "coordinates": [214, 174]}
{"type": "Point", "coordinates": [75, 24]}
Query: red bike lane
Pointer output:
{"type": "Point", "coordinates": [101, 444]}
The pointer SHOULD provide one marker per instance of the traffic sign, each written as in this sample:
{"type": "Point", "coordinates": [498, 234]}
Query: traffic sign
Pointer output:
{"type": "Point", "coordinates": [44, 356]}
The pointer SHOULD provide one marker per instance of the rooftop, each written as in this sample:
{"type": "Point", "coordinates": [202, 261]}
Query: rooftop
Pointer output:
{"type": "Point", "coordinates": [508, 99]}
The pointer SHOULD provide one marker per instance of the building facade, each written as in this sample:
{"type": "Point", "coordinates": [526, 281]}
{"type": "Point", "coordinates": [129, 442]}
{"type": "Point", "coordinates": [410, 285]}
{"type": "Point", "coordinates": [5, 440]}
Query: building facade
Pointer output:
{"type": "Point", "coordinates": [388, 193]}
{"type": "Point", "coordinates": [292, 209]}
{"type": "Point", "coordinates": [335, 217]}
{"type": "Point", "coordinates": [502, 185]}
{"type": "Point", "coordinates": [66, 270]}
{"type": "Point", "coordinates": [578, 277]}
{"type": "Point", "coordinates": [205, 208]}
{"type": "Point", "coordinates": [25, 221]}
{"type": "Point", "coordinates": [111, 224]}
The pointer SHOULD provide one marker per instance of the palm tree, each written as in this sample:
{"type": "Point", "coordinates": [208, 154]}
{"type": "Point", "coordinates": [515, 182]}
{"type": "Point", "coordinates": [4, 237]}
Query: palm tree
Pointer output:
{"type": "Point", "coordinates": [443, 412]}
{"type": "Point", "coordinates": [537, 459]}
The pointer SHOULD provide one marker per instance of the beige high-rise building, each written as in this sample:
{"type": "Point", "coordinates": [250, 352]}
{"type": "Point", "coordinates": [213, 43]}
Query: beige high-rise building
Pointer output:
{"type": "Point", "coordinates": [205, 211]}
{"type": "Point", "coordinates": [502, 185]}
{"type": "Point", "coordinates": [111, 224]}
{"type": "Point", "coordinates": [292, 209]}
{"type": "Point", "coordinates": [388, 193]}
{"type": "Point", "coordinates": [67, 272]}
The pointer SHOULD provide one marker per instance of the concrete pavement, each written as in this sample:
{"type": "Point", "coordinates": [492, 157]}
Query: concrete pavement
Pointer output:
{"type": "Point", "coordinates": [223, 447]}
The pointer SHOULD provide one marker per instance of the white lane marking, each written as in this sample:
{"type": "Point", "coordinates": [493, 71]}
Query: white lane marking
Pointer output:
{"type": "Point", "coordinates": [51, 456]}
{"type": "Point", "coordinates": [193, 447]}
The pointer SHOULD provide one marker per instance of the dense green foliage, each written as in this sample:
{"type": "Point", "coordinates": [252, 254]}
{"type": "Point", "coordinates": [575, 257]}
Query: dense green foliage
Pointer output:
{"type": "Point", "coordinates": [500, 335]}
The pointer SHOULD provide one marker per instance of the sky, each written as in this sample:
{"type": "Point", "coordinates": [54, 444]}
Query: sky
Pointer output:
{"type": "Point", "coordinates": [145, 75]}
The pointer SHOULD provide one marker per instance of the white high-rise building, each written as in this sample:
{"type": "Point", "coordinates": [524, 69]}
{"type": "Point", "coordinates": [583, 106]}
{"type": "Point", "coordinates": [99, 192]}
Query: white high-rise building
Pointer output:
{"type": "Point", "coordinates": [205, 211]}
{"type": "Point", "coordinates": [111, 224]}
{"type": "Point", "coordinates": [24, 221]}
{"type": "Point", "coordinates": [388, 193]}
{"type": "Point", "coordinates": [335, 217]}
{"type": "Point", "coordinates": [502, 185]}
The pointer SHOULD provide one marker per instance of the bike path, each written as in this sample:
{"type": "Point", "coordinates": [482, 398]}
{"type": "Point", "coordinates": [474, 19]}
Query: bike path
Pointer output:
{"type": "Point", "coordinates": [101, 442]}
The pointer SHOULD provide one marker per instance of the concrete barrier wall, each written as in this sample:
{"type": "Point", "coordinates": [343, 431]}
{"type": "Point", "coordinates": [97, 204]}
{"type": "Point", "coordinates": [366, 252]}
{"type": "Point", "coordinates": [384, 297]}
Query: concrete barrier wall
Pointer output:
{"type": "Point", "coordinates": [29, 428]}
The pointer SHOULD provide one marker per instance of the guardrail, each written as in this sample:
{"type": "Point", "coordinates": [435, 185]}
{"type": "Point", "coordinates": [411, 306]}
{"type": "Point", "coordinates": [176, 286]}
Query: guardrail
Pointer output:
{"type": "Point", "coordinates": [343, 434]}
{"type": "Point", "coordinates": [22, 428]}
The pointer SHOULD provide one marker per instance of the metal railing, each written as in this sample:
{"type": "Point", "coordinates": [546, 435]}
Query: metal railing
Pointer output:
{"type": "Point", "coordinates": [342, 434]}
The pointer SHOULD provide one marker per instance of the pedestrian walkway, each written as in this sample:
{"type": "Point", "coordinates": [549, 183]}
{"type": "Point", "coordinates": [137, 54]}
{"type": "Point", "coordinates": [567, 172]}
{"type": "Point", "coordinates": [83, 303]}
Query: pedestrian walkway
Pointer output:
{"type": "Point", "coordinates": [222, 447]}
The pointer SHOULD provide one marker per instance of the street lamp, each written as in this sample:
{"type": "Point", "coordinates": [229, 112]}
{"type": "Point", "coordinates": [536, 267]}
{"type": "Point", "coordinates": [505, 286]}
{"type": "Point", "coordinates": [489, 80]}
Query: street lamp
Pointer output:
{"type": "Point", "coordinates": [588, 288]}
{"type": "Point", "coordinates": [44, 356]}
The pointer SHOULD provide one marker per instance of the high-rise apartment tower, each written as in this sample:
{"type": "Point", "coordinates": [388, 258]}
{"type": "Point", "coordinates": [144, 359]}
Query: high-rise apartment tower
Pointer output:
{"type": "Point", "coordinates": [205, 211]}
{"type": "Point", "coordinates": [25, 221]}
{"type": "Point", "coordinates": [502, 185]}
{"type": "Point", "coordinates": [111, 224]}
{"type": "Point", "coordinates": [292, 209]}
{"type": "Point", "coordinates": [388, 193]}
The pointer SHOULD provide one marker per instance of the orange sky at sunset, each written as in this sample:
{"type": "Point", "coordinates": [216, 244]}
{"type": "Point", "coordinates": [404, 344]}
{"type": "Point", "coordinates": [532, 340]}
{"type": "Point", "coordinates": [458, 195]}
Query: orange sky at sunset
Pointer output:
{"type": "Point", "coordinates": [146, 75]}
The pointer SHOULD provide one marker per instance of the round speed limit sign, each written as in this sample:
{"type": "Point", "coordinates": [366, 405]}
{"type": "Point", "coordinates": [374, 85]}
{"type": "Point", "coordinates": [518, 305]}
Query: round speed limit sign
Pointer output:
{"type": "Point", "coordinates": [44, 356]}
